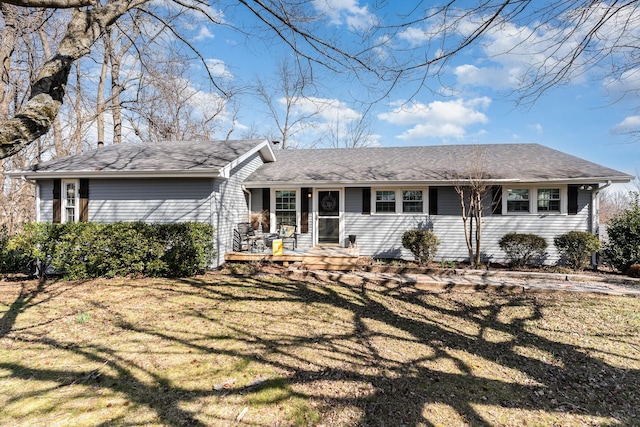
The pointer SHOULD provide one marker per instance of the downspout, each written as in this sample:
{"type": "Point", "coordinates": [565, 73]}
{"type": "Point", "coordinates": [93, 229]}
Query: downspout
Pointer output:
{"type": "Point", "coordinates": [595, 220]}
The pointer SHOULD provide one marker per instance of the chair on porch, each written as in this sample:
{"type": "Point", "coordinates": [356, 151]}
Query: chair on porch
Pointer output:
{"type": "Point", "coordinates": [241, 236]}
{"type": "Point", "coordinates": [288, 233]}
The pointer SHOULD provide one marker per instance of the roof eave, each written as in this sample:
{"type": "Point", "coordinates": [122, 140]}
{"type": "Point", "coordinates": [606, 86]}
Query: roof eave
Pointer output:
{"type": "Point", "coordinates": [116, 174]}
{"type": "Point", "coordinates": [623, 179]}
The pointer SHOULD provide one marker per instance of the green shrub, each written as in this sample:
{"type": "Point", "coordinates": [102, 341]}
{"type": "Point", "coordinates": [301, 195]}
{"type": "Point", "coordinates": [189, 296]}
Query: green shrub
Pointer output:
{"type": "Point", "coordinates": [576, 247]}
{"type": "Point", "coordinates": [423, 244]}
{"type": "Point", "coordinates": [622, 248]}
{"type": "Point", "coordinates": [35, 246]}
{"type": "Point", "coordinates": [188, 247]}
{"type": "Point", "coordinates": [89, 250]}
{"type": "Point", "coordinates": [523, 249]}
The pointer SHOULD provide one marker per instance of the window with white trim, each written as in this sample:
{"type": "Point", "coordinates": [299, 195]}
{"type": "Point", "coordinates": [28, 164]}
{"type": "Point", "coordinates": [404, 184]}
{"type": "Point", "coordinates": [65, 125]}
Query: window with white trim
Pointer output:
{"type": "Point", "coordinates": [412, 201]}
{"type": "Point", "coordinates": [286, 207]}
{"type": "Point", "coordinates": [517, 200]}
{"type": "Point", "coordinates": [385, 201]}
{"type": "Point", "coordinates": [533, 200]}
{"type": "Point", "coordinates": [407, 201]}
{"type": "Point", "coordinates": [70, 201]}
{"type": "Point", "coordinates": [548, 200]}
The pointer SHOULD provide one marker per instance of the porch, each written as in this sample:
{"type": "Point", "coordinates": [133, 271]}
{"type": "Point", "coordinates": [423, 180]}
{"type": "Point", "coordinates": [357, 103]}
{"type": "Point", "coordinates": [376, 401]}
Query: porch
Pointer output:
{"type": "Point", "coordinates": [314, 258]}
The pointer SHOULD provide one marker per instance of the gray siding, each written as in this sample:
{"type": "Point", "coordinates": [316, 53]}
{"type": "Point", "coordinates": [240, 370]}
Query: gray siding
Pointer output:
{"type": "Point", "coordinates": [219, 202]}
{"type": "Point", "coordinates": [380, 235]}
{"type": "Point", "coordinates": [150, 200]}
{"type": "Point", "coordinates": [231, 204]}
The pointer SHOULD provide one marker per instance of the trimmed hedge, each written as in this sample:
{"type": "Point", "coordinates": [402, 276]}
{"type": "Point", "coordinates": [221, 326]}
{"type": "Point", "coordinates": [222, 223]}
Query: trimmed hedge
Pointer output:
{"type": "Point", "coordinates": [576, 247]}
{"type": "Point", "coordinates": [423, 244]}
{"type": "Point", "coordinates": [523, 249]}
{"type": "Point", "coordinates": [89, 250]}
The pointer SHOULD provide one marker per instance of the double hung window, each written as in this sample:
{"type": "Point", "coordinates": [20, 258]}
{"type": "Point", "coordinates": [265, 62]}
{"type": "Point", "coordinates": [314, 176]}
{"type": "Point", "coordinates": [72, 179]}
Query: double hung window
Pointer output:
{"type": "Point", "coordinates": [549, 200]}
{"type": "Point", "coordinates": [412, 201]}
{"type": "Point", "coordinates": [399, 201]}
{"type": "Point", "coordinates": [518, 200]}
{"type": "Point", "coordinates": [70, 201]}
{"type": "Point", "coordinates": [535, 200]}
{"type": "Point", "coordinates": [286, 207]}
{"type": "Point", "coordinates": [385, 201]}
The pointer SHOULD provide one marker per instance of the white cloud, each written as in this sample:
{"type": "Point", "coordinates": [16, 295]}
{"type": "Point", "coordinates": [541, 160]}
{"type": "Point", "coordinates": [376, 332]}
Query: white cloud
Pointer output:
{"type": "Point", "coordinates": [414, 36]}
{"type": "Point", "coordinates": [537, 127]}
{"type": "Point", "coordinates": [346, 12]}
{"type": "Point", "coordinates": [629, 124]}
{"type": "Point", "coordinates": [325, 109]}
{"type": "Point", "coordinates": [218, 68]}
{"type": "Point", "coordinates": [627, 83]}
{"type": "Point", "coordinates": [204, 34]}
{"type": "Point", "coordinates": [438, 119]}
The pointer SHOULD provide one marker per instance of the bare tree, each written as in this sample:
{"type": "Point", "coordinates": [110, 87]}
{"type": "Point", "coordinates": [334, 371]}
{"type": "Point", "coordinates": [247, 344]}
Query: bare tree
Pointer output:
{"type": "Point", "coordinates": [351, 132]}
{"type": "Point", "coordinates": [611, 203]}
{"type": "Point", "coordinates": [287, 101]}
{"type": "Point", "coordinates": [474, 193]}
{"type": "Point", "coordinates": [167, 107]}
{"type": "Point", "coordinates": [563, 39]}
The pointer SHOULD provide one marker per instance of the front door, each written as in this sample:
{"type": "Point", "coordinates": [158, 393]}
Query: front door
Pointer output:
{"type": "Point", "coordinates": [328, 224]}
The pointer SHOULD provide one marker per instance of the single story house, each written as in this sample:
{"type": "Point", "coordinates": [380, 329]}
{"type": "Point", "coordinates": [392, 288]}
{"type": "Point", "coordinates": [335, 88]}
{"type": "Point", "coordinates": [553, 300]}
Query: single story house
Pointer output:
{"type": "Point", "coordinates": [374, 194]}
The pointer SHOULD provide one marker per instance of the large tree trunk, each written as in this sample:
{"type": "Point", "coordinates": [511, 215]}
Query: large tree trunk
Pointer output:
{"type": "Point", "coordinates": [48, 90]}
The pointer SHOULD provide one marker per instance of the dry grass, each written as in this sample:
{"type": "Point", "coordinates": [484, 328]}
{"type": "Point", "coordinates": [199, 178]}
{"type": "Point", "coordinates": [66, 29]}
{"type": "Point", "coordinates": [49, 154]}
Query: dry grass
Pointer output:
{"type": "Point", "coordinates": [267, 351]}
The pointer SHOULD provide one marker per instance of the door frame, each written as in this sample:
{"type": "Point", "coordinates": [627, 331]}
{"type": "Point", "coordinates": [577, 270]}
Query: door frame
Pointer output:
{"type": "Point", "coordinates": [316, 214]}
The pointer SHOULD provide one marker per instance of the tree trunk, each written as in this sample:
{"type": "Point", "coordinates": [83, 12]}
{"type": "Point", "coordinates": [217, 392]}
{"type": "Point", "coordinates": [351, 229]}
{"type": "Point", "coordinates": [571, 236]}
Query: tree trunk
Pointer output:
{"type": "Point", "coordinates": [48, 90]}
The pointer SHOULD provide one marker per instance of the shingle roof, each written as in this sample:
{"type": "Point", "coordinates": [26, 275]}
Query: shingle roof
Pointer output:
{"type": "Point", "coordinates": [167, 156]}
{"type": "Point", "coordinates": [441, 163]}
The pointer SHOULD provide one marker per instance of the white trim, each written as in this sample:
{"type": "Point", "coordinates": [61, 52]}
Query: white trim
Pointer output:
{"type": "Point", "coordinates": [533, 199]}
{"type": "Point", "coordinates": [399, 201]}
{"type": "Point", "coordinates": [63, 200]}
{"type": "Point", "coordinates": [316, 213]}
{"type": "Point", "coordinates": [272, 214]}
{"type": "Point", "coordinates": [38, 200]}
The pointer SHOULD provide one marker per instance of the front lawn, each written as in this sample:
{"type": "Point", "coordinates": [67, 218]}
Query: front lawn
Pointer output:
{"type": "Point", "coordinates": [268, 351]}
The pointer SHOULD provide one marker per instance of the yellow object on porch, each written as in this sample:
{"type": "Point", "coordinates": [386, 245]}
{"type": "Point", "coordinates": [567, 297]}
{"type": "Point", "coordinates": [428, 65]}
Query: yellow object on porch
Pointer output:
{"type": "Point", "coordinates": [277, 247]}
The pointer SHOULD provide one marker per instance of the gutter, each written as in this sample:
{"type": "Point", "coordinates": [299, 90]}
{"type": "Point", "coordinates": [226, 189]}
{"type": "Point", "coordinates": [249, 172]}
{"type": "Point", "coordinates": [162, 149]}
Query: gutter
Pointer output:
{"type": "Point", "coordinates": [115, 174]}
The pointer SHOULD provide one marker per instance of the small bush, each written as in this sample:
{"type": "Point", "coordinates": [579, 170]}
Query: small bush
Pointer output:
{"type": "Point", "coordinates": [576, 247]}
{"type": "Point", "coordinates": [423, 244]}
{"type": "Point", "coordinates": [633, 271]}
{"type": "Point", "coordinates": [523, 249]}
{"type": "Point", "coordinates": [622, 248]}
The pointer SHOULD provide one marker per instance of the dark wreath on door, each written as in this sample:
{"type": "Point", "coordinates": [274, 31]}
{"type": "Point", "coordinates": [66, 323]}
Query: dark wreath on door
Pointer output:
{"type": "Point", "coordinates": [329, 217]}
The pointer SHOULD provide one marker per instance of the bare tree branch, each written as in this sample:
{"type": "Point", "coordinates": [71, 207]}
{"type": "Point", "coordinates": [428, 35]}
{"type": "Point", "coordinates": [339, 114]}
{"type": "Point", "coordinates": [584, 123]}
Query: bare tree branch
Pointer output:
{"type": "Point", "coordinates": [50, 4]}
{"type": "Point", "coordinates": [47, 92]}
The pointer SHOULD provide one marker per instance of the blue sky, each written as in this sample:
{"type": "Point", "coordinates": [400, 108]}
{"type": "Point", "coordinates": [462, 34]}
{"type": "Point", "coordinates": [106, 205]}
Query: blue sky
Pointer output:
{"type": "Point", "coordinates": [471, 103]}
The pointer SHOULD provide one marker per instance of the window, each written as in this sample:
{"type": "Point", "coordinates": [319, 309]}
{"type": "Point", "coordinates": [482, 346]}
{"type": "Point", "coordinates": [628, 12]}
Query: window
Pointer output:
{"type": "Point", "coordinates": [535, 200]}
{"type": "Point", "coordinates": [549, 200]}
{"type": "Point", "coordinates": [385, 201]}
{"type": "Point", "coordinates": [412, 201]}
{"type": "Point", "coordinates": [69, 201]}
{"type": "Point", "coordinates": [286, 207]}
{"type": "Point", "coordinates": [518, 200]}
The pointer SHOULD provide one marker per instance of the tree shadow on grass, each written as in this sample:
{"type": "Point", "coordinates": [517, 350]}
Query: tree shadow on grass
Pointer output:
{"type": "Point", "coordinates": [386, 354]}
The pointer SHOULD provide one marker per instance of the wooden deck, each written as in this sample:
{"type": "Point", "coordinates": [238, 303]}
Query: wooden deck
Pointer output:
{"type": "Point", "coordinates": [316, 258]}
